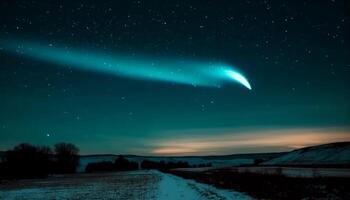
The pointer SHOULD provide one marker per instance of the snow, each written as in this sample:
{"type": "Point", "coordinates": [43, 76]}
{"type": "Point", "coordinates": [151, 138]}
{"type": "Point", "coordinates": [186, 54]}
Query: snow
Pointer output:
{"type": "Point", "coordinates": [123, 185]}
{"type": "Point", "coordinates": [175, 188]}
{"type": "Point", "coordinates": [141, 184]}
{"type": "Point", "coordinates": [335, 153]}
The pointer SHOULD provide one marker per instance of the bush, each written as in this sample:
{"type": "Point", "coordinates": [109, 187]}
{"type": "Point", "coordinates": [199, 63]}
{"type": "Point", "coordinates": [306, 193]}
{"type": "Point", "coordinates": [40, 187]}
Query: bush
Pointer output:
{"type": "Point", "coordinates": [257, 161]}
{"type": "Point", "coordinates": [27, 161]}
{"type": "Point", "coordinates": [205, 165]}
{"type": "Point", "coordinates": [100, 167]}
{"type": "Point", "coordinates": [147, 164]}
{"type": "Point", "coordinates": [67, 159]}
{"type": "Point", "coordinates": [122, 164]}
{"type": "Point", "coordinates": [2, 171]}
{"type": "Point", "coordinates": [162, 165]}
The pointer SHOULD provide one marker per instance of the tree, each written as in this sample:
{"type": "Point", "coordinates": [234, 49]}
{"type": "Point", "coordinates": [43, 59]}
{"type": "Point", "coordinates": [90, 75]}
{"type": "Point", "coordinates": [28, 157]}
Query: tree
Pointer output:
{"type": "Point", "coordinates": [257, 161]}
{"type": "Point", "coordinates": [162, 165]}
{"type": "Point", "coordinates": [104, 166]}
{"type": "Point", "coordinates": [67, 158]}
{"type": "Point", "coordinates": [27, 161]}
{"type": "Point", "coordinates": [122, 164]}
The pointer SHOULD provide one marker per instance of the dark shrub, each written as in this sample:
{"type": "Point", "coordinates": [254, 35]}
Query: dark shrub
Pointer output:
{"type": "Point", "coordinates": [100, 167]}
{"type": "Point", "coordinates": [67, 158]}
{"type": "Point", "coordinates": [122, 164]}
{"type": "Point", "coordinates": [162, 165]}
{"type": "Point", "coordinates": [257, 161]}
{"type": "Point", "coordinates": [2, 170]}
{"type": "Point", "coordinates": [147, 164]}
{"type": "Point", "coordinates": [205, 165]}
{"type": "Point", "coordinates": [27, 161]}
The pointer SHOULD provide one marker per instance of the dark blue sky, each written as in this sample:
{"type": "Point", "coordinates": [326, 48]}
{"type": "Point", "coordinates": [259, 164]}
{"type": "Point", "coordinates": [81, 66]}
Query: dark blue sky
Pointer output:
{"type": "Point", "coordinates": [295, 55]}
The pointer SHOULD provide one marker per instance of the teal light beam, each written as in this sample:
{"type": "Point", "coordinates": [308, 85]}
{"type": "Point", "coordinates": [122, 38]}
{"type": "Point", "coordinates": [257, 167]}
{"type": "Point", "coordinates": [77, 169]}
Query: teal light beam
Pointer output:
{"type": "Point", "coordinates": [188, 72]}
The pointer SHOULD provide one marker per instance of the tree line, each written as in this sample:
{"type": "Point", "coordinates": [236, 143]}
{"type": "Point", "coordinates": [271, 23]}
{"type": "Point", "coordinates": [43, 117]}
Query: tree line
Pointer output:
{"type": "Point", "coordinates": [162, 165]}
{"type": "Point", "coordinates": [122, 164]}
{"type": "Point", "coordinates": [28, 161]}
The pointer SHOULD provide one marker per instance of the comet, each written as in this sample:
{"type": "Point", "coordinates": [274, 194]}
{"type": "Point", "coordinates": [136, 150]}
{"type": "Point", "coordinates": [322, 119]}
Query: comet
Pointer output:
{"type": "Point", "coordinates": [181, 71]}
{"type": "Point", "coordinates": [239, 78]}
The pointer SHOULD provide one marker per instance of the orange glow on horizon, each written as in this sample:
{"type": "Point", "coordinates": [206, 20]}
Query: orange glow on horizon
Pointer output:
{"type": "Point", "coordinates": [259, 141]}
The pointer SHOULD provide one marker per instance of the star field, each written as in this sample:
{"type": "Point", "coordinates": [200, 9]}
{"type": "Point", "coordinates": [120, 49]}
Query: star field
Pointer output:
{"type": "Point", "coordinates": [295, 55]}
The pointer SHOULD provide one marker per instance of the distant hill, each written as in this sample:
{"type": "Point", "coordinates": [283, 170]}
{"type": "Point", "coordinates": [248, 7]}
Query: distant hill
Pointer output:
{"type": "Point", "coordinates": [216, 161]}
{"type": "Point", "coordinates": [262, 156]}
{"type": "Point", "coordinates": [327, 154]}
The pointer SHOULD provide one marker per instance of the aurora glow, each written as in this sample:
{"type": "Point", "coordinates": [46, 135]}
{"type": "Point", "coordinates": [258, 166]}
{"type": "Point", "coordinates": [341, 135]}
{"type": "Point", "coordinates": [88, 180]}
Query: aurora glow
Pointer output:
{"type": "Point", "coordinates": [188, 72]}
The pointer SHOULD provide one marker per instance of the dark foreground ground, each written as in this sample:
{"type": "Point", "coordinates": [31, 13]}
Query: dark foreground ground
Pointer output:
{"type": "Point", "coordinates": [272, 186]}
{"type": "Point", "coordinates": [133, 185]}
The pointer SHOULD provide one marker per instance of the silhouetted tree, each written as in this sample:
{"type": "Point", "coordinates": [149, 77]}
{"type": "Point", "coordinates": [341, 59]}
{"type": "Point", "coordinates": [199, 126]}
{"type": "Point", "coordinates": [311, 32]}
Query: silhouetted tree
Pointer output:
{"type": "Point", "coordinates": [100, 167]}
{"type": "Point", "coordinates": [205, 165]}
{"type": "Point", "coordinates": [67, 158]}
{"type": "Point", "coordinates": [147, 164]}
{"type": "Point", "coordinates": [2, 171]}
{"type": "Point", "coordinates": [162, 165]}
{"type": "Point", "coordinates": [27, 161]}
{"type": "Point", "coordinates": [180, 164]}
{"type": "Point", "coordinates": [257, 161]}
{"type": "Point", "coordinates": [122, 164]}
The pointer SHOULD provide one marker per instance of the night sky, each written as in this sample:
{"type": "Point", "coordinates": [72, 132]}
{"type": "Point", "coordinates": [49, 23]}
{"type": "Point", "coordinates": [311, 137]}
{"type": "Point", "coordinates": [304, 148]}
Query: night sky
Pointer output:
{"type": "Point", "coordinates": [140, 77]}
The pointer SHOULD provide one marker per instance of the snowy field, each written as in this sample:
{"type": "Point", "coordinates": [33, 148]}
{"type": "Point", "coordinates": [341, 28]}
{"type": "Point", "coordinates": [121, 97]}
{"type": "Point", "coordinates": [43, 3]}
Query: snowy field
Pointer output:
{"type": "Point", "coordinates": [123, 185]}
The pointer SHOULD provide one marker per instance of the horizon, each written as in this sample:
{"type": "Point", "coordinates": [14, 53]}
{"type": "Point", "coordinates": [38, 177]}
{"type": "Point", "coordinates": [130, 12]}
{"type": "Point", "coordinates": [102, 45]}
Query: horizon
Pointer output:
{"type": "Point", "coordinates": [200, 155]}
{"type": "Point", "coordinates": [206, 155]}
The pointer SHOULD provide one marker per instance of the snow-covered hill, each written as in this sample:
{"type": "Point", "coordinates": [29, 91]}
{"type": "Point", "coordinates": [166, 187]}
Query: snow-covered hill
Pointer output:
{"type": "Point", "coordinates": [327, 154]}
